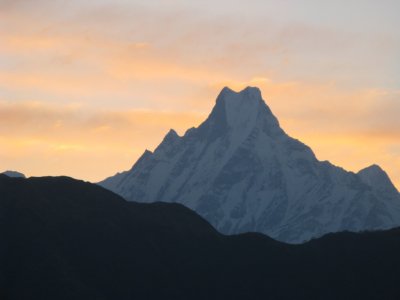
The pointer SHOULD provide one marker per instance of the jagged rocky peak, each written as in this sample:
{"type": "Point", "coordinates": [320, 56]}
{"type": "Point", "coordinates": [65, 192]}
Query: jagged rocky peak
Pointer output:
{"type": "Point", "coordinates": [372, 170]}
{"type": "Point", "coordinates": [240, 112]}
{"type": "Point", "coordinates": [242, 172]}
{"type": "Point", "coordinates": [169, 143]}
{"type": "Point", "coordinates": [373, 173]}
{"type": "Point", "coordinates": [248, 92]}
{"type": "Point", "coordinates": [234, 116]}
{"type": "Point", "coordinates": [171, 137]}
{"type": "Point", "coordinates": [241, 105]}
{"type": "Point", "coordinates": [375, 176]}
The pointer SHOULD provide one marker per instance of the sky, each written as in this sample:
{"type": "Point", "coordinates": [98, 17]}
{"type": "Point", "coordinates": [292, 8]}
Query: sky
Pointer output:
{"type": "Point", "coordinates": [87, 86]}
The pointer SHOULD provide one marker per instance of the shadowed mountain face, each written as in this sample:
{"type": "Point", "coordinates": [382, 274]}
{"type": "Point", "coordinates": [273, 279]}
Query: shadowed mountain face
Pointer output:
{"type": "Point", "coordinates": [242, 172]}
{"type": "Point", "coordinates": [67, 239]}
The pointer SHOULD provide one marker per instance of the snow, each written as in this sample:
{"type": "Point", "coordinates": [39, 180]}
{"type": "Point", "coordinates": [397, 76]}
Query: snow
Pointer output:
{"type": "Point", "coordinates": [242, 172]}
{"type": "Point", "coordinates": [241, 108]}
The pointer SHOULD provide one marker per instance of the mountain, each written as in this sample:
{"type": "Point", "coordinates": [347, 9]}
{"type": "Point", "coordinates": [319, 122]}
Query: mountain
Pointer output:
{"type": "Point", "coordinates": [67, 239]}
{"type": "Point", "coordinates": [242, 172]}
{"type": "Point", "coordinates": [13, 174]}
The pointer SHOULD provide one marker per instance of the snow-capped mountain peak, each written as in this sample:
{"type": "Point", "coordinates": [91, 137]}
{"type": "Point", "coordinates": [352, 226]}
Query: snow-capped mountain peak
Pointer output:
{"type": "Point", "coordinates": [242, 172]}
{"type": "Point", "coordinates": [241, 109]}
{"type": "Point", "coordinates": [376, 177]}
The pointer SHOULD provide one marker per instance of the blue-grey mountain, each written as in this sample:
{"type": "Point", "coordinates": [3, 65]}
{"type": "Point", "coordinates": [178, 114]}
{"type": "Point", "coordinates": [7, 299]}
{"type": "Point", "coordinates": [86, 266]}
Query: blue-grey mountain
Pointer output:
{"type": "Point", "coordinates": [13, 174]}
{"type": "Point", "coordinates": [242, 172]}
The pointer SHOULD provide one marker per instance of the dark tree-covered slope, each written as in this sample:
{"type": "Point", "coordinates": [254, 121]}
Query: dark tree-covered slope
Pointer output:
{"type": "Point", "coordinates": [66, 239]}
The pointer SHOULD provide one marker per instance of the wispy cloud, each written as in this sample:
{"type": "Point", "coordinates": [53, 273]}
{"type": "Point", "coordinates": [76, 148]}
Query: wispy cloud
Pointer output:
{"type": "Point", "coordinates": [77, 137]}
{"type": "Point", "coordinates": [111, 77]}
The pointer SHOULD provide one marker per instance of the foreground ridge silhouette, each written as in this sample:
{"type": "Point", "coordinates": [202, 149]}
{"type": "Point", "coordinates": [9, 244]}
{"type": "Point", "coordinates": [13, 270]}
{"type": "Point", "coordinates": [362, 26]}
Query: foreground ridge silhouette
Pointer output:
{"type": "Point", "coordinates": [66, 239]}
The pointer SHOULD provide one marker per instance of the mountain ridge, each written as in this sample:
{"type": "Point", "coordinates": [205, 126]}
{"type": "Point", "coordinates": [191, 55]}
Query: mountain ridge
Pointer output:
{"type": "Point", "coordinates": [242, 172]}
{"type": "Point", "coordinates": [68, 239]}
{"type": "Point", "coordinates": [10, 173]}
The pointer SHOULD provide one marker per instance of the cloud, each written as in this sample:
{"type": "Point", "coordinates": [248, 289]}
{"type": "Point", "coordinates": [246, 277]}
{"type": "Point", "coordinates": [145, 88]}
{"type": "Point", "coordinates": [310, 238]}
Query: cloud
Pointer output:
{"type": "Point", "coordinates": [138, 68]}
{"type": "Point", "coordinates": [61, 50]}
{"type": "Point", "coordinates": [40, 138]}
{"type": "Point", "coordinates": [67, 132]}
{"type": "Point", "coordinates": [198, 41]}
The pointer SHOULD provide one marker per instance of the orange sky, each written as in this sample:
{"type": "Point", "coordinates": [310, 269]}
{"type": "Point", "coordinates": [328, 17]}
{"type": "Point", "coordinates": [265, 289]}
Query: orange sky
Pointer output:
{"type": "Point", "coordinates": [85, 88]}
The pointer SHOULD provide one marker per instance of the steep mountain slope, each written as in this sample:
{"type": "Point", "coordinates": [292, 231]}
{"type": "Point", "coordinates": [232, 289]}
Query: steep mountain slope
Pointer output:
{"type": "Point", "coordinates": [66, 239]}
{"type": "Point", "coordinates": [242, 172]}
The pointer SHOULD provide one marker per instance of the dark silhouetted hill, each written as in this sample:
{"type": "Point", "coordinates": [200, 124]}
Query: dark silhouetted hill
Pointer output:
{"type": "Point", "coordinates": [67, 239]}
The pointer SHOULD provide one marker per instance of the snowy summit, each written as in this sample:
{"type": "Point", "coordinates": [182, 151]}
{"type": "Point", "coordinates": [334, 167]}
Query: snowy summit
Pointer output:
{"type": "Point", "coordinates": [242, 172]}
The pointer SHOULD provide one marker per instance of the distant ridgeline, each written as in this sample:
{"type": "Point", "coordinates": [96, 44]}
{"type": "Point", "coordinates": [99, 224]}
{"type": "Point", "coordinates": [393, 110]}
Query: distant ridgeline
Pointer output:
{"type": "Point", "coordinates": [241, 172]}
{"type": "Point", "coordinates": [13, 174]}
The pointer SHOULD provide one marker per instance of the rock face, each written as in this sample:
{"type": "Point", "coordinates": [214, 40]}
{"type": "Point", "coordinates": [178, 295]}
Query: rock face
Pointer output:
{"type": "Point", "coordinates": [242, 172]}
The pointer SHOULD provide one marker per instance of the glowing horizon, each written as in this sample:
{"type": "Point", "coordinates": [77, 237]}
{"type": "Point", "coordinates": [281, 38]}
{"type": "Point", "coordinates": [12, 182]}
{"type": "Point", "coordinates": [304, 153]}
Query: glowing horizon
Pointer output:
{"type": "Point", "coordinates": [86, 88]}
